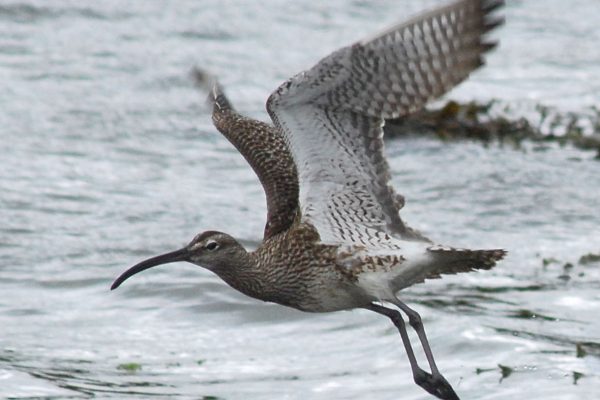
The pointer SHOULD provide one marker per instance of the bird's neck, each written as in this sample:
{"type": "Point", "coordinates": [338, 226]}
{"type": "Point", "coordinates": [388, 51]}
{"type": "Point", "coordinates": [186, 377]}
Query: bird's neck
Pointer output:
{"type": "Point", "coordinates": [244, 275]}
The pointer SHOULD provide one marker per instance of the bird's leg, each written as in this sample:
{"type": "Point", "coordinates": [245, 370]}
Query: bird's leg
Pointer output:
{"type": "Point", "coordinates": [396, 318]}
{"type": "Point", "coordinates": [414, 319]}
{"type": "Point", "coordinates": [433, 383]}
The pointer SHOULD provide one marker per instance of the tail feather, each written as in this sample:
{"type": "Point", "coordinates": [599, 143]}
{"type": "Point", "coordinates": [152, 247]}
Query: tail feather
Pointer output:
{"type": "Point", "coordinates": [452, 261]}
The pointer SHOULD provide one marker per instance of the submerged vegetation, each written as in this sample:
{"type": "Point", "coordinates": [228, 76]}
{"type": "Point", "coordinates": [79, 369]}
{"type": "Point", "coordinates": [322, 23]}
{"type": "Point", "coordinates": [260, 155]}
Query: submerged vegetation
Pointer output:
{"type": "Point", "coordinates": [491, 122]}
{"type": "Point", "coordinates": [129, 367]}
{"type": "Point", "coordinates": [589, 258]}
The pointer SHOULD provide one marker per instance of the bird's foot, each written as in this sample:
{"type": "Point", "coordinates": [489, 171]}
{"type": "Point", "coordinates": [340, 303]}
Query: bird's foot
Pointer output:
{"type": "Point", "coordinates": [437, 385]}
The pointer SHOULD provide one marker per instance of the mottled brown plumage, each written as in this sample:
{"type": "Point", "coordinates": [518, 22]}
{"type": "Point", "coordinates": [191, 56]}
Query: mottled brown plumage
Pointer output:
{"type": "Point", "coordinates": [263, 146]}
{"type": "Point", "coordinates": [334, 239]}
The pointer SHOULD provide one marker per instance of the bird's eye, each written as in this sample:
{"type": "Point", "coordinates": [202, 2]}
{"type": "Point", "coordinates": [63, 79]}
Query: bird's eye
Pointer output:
{"type": "Point", "coordinates": [212, 245]}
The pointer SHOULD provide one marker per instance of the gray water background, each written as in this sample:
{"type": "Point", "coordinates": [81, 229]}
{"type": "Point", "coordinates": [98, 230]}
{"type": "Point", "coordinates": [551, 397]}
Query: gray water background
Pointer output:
{"type": "Point", "coordinates": [107, 156]}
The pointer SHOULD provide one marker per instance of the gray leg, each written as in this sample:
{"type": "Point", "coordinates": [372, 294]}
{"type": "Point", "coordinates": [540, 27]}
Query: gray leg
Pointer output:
{"type": "Point", "coordinates": [433, 383]}
{"type": "Point", "coordinates": [414, 319]}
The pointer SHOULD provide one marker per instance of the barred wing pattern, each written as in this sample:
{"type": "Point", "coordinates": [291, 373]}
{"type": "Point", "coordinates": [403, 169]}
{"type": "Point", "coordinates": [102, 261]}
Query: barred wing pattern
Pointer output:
{"type": "Point", "coordinates": [332, 116]}
{"type": "Point", "coordinates": [263, 146]}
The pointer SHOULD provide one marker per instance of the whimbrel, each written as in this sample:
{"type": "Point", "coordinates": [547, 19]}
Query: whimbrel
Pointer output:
{"type": "Point", "coordinates": [334, 239]}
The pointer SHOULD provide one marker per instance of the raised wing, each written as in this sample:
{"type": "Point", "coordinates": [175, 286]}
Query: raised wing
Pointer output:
{"type": "Point", "coordinates": [263, 146]}
{"type": "Point", "coordinates": [332, 116]}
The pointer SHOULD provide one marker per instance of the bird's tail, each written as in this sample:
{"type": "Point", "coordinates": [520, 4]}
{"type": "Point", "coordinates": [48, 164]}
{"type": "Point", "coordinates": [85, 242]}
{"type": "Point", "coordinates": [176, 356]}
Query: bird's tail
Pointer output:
{"type": "Point", "coordinates": [452, 261]}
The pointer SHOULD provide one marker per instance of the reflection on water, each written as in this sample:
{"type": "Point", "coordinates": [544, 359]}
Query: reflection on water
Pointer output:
{"type": "Point", "coordinates": [108, 157]}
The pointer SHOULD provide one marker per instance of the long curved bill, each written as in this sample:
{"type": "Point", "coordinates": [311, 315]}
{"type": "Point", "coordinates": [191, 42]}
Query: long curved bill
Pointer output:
{"type": "Point", "coordinates": [174, 256]}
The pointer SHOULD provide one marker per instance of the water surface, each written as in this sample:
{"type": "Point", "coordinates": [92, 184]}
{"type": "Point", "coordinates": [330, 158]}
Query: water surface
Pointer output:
{"type": "Point", "coordinates": [108, 157]}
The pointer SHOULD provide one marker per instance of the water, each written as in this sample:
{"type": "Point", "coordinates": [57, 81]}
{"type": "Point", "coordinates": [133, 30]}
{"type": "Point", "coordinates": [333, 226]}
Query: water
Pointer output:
{"type": "Point", "coordinates": [108, 157]}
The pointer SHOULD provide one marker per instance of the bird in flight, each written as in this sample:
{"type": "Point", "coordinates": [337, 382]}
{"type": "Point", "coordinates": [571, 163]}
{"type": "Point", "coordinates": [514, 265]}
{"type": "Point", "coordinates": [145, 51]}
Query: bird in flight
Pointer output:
{"type": "Point", "coordinates": [334, 239]}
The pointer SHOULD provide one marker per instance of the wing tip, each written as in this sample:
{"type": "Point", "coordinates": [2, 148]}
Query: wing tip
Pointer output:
{"type": "Point", "coordinates": [492, 23]}
{"type": "Point", "coordinates": [491, 20]}
{"type": "Point", "coordinates": [489, 6]}
{"type": "Point", "coordinates": [207, 82]}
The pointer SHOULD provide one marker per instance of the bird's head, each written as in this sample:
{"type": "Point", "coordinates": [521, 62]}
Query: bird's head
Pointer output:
{"type": "Point", "coordinates": [215, 251]}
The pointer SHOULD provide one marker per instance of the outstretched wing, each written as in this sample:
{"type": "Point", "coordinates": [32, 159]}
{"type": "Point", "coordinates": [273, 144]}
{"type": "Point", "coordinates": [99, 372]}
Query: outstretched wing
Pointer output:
{"type": "Point", "coordinates": [332, 116]}
{"type": "Point", "coordinates": [263, 146]}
